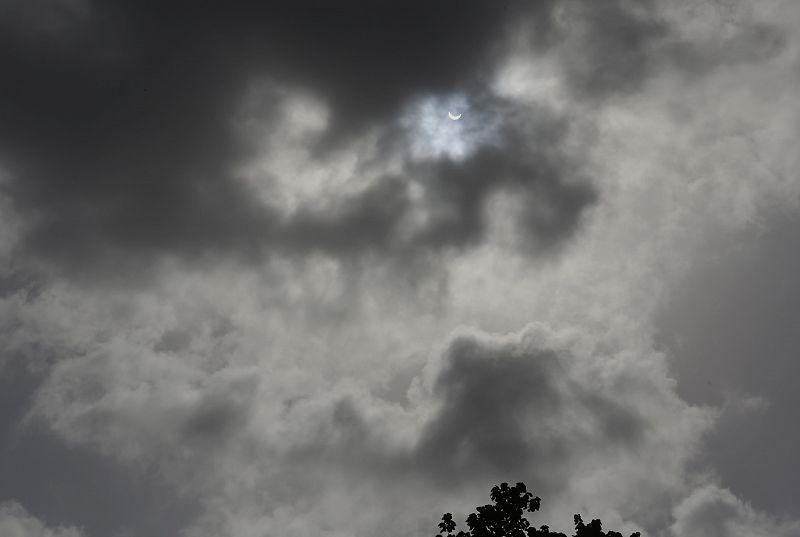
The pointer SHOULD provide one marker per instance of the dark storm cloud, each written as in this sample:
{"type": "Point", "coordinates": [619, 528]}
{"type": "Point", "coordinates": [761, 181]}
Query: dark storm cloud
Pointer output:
{"type": "Point", "coordinates": [116, 128]}
{"type": "Point", "coordinates": [524, 159]}
{"type": "Point", "coordinates": [504, 408]}
{"type": "Point", "coordinates": [220, 414]}
{"type": "Point", "coordinates": [608, 48]}
{"type": "Point", "coordinates": [750, 43]}
{"type": "Point", "coordinates": [48, 20]}
{"type": "Point", "coordinates": [119, 139]}
{"type": "Point", "coordinates": [488, 396]}
{"type": "Point", "coordinates": [119, 142]}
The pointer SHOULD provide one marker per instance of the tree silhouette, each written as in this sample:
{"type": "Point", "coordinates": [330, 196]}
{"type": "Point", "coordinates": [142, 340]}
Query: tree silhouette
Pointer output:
{"type": "Point", "coordinates": [506, 518]}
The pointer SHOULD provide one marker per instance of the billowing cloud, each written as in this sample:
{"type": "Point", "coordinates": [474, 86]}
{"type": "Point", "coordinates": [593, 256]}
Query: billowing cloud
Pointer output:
{"type": "Point", "coordinates": [246, 254]}
{"type": "Point", "coordinates": [536, 405]}
{"type": "Point", "coordinates": [141, 165]}
{"type": "Point", "coordinates": [124, 158]}
{"type": "Point", "coordinates": [15, 521]}
{"type": "Point", "coordinates": [712, 511]}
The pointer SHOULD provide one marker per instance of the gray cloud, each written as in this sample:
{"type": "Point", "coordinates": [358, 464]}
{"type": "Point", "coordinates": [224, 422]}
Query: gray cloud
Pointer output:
{"type": "Point", "coordinates": [524, 159]}
{"type": "Point", "coordinates": [290, 194]}
{"type": "Point", "coordinates": [15, 521]}
{"type": "Point", "coordinates": [530, 405]}
{"type": "Point", "coordinates": [527, 405]}
{"type": "Point", "coordinates": [714, 512]}
{"type": "Point", "coordinates": [749, 43]}
{"type": "Point", "coordinates": [733, 333]}
{"type": "Point", "coordinates": [503, 407]}
{"type": "Point", "coordinates": [610, 48]}
{"type": "Point", "coordinates": [121, 160]}
{"type": "Point", "coordinates": [54, 22]}
{"type": "Point", "coordinates": [72, 487]}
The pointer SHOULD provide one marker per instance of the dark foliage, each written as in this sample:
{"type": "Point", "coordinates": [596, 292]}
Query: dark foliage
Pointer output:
{"type": "Point", "coordinates": [506, 518]}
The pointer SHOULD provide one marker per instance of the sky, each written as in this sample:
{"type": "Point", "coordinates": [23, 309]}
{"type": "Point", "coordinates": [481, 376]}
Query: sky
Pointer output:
{"type": "Point", "coordinates": [255, 282]}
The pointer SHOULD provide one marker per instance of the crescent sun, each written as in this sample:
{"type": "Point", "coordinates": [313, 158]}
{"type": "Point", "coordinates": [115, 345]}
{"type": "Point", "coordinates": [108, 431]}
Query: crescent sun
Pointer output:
{"type": "Point", "coordinates": [454, 117]}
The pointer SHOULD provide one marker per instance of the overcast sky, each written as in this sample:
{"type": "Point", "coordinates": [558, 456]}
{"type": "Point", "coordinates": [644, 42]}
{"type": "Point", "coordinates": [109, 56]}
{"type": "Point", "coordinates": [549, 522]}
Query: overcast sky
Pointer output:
{"type": "Point", "coordinates": [254, 282]}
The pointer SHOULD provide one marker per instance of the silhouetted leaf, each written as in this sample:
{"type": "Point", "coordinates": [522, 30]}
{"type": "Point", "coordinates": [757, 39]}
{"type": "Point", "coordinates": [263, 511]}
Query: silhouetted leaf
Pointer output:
{"type": "Point", "coordinates": [506, 518]}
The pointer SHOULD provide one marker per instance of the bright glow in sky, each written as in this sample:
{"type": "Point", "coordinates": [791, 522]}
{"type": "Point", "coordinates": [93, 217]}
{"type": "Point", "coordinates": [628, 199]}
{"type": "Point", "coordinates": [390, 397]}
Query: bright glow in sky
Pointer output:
{"type": "Point", "coordinates": [434, 135]}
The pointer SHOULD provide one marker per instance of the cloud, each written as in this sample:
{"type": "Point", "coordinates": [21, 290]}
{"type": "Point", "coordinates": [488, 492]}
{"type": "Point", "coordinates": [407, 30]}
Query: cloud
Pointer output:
{"type": "Point", "coordinates": [48, 22]}
{"type": "Point", "coordinates": [313, 387]}
{"type": "Point", "coordinates": [509, 404]}
{"type": "Point", "coordinates": [712, 511]}
{"type": "Point", "coordinates": [15, 521]}
{"type": "Point", "coordinates": [543, 404]}
{"type": "Point", "coordinates": [449, 209]}
{"type": "Point", "coordinates": [748, 293]}
{"type": "Point", "coordinates": [126, 158]}
{"type": "Point", "coordinates": [537, 405]}
{"type": "Point", "coordinates": [426, 206]}
{"type": "Point", "coordinates": [609, 49]}
{"type": "Point", "coordinates": [130, 158]}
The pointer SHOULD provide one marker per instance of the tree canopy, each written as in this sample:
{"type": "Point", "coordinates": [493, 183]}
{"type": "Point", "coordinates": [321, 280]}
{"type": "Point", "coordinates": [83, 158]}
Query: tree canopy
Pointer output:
{"type": "Point", "coordinates": [505, 517]}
